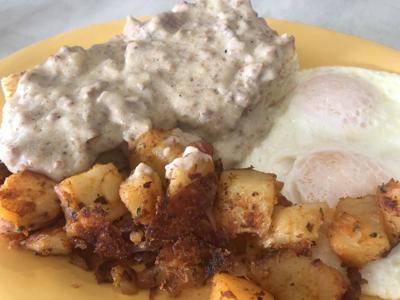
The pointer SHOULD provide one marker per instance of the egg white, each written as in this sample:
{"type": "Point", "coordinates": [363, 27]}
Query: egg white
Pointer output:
{"type": "Point", "coordinates": [383, 276]}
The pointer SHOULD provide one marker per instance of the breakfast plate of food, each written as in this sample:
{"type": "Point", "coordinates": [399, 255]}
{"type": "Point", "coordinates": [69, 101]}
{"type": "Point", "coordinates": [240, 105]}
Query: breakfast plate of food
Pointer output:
{"type": "Point", "coordinates": [202, 153]}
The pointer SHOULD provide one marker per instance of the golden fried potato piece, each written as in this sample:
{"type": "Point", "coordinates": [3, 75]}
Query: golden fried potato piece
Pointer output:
{"type": "Point", "coordinates": [157, 148]}
{"type": "Point", "coordinates": [8, 229]}
{"type": "Point", "coordinates": [124, 279]}
{"type": "Point", "coordinates": [388, 197]}
{"type": "Point", "coordinates": [357, 233]}
{"type": "Point", "coordinates": [296, 227]}
{"type": "Point", "coordinates": [182, 171]}
{"type": "Point", "coordinates": [289, 276]}
{"type": "Point", "coordinates": [28, 200]}
{"type": "Point", "coordinates": [9, 85]}
{"type": "Point", "coordinates": [49, 241]}
{"type": "Point", "coordinates": [97, 187]}
{"type": "Point", "coordinates": [245, 201]}
{"type": "Point", "coordinates": [225, 286]}
{"type": "Point", "coordinates": [140, 193]}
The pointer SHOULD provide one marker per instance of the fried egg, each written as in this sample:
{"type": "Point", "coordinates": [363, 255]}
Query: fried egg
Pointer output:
{"type": "Point", "coordinates": [337, 134]}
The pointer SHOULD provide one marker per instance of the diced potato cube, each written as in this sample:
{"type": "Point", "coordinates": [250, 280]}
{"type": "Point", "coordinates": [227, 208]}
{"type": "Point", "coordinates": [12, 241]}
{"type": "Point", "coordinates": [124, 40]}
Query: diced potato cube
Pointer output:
{"type": "Point", "coordinates": [183, 170]}
{"type": "Point", "coordinates": [28, 200]}
{"type": "Point", "coordinates": [357, 233]}
{"type": "Point", "coordinates": [140, 193]}
{"type": "Point", "coordinates": [225, 286]}
{"type": "Point", "coordinates": [388, 197]}
{"type": "Point", "coordinates": [245, 201]}
{"type": "Point", "coordinates": [289, 276]}
{"type": "Point", "coordinates": [49, 241]}
{"type": "Point", "coordinates": [98, 187]}
{"type": "Point", "coordinates": [297, 226]}
{"type": "Point", "coordinates": [124, 279]}
{"type": "Point", "coordinates": [157, 148]}
{"type": "Point", "coordinates": [8, 229]}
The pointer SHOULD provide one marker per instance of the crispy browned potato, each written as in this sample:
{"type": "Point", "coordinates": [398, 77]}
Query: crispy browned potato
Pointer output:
{"type": "Point", "coordinates": [296, 227]}
{"type": "Point", "coordinates": [388, 197]}
{"type": "Point", "coordinates": [89, 229]}
{"type": "Point", "coordinates": [357, 233]}
{"type": "Point", "coordinates": [98, 187]}
{"type": "Point", "coordinates": [49, 241]}
{"type": "Point", "coordinates": [124, 279]}
{"type": "Point", "coordinates": [182, 171]}
{"type": "Point", "coordinates": [187, 214]}
{"type": "Point", "coordinates": [225, 286]}
{"type": "Point", "coordinates": [289, 276]}
{"type": "Point", "coordinates": [28, 200]}
{"type": "Point", "coordinates": [245, 201]}
{"type": "Point", "coordinates": [157, 148]}
{"type": "Point", "coordinates": [188, 263]}
{"type": "Point", "coordinates": [140, 193]}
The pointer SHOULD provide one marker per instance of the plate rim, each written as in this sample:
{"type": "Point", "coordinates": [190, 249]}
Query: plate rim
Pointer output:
{"type": "Point", "coordinates": [6, 62]}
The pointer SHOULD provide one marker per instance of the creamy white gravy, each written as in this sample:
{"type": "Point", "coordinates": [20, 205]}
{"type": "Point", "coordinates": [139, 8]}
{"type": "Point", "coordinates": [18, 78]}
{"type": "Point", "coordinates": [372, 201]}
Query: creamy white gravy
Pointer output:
{"type": "Point", "coordinates": [202, 67]}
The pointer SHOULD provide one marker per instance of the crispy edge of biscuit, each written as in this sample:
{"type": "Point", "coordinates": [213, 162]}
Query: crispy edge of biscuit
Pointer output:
{"type": "Point", "coordinates": [9, 84]}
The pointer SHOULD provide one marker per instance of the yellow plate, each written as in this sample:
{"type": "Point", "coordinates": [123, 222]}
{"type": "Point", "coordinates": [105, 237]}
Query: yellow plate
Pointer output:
{"type": "Point", "coordinates": [25, 276]}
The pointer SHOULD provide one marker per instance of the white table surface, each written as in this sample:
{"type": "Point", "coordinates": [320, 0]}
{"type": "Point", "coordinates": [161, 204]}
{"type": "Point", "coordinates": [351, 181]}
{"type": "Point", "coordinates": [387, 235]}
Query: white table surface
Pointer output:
{"type": "Point", "coordinates": [23, 22]}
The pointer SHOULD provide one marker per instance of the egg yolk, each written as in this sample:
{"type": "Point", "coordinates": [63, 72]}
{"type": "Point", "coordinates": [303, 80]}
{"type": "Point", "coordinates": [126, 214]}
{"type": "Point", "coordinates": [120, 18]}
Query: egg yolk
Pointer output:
{"type": "Point", "coordinates": [335, 99]}
{"type": "Point", "coordinates": [329, 175]}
